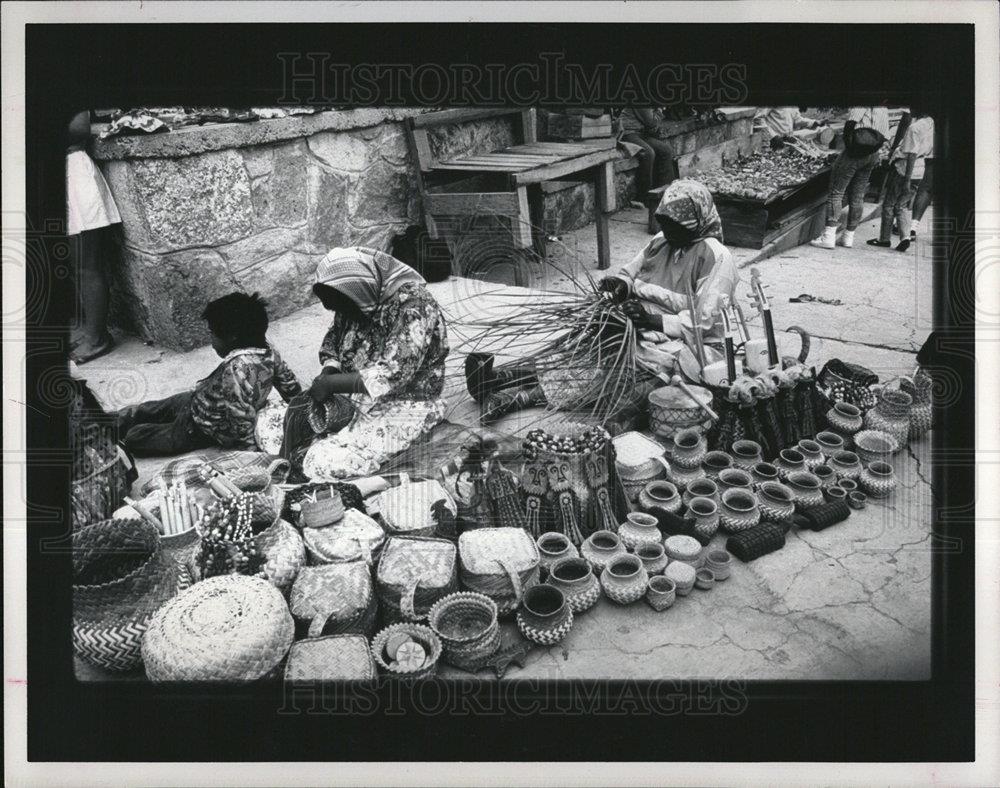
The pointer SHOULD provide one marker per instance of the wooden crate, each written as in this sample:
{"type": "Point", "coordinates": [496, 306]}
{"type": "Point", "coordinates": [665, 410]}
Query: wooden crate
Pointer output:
{"type": "Point", "coordinates": [578, 127]}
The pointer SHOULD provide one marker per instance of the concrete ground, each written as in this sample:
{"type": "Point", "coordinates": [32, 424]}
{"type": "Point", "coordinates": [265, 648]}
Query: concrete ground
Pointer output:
{"type": "Point", "coordinates": [851, 602]}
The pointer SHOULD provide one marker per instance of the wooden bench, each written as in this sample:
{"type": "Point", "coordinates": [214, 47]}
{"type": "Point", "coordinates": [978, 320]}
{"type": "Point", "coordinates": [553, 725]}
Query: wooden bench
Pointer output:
{"type": "Point", "coordinates": [507, 182]}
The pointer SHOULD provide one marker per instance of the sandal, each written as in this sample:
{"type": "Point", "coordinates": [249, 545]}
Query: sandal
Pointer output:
{"type": "Point", "coordinates": [84, 353]}
{"type": "Point", "coordinates": [877, 242]}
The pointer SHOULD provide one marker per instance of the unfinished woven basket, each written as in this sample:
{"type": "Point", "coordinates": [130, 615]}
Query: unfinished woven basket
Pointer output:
{"type": "Point", "coordinates": [468, 628]}
{"type": "Point", "coordinates": [334, 599]}
{"type": "Point", "coordinates": [226, 628]}
{"type": "Point", "coordinates": [413, 573]}
{"type": "Point", "coordinates": [331, 658]}
{"type": "Point", "coordinates": [121, 577]}
{"type": "Point", "coordinates": [422, 635]}
{"type": "Point", "coordinates": [501, 563]}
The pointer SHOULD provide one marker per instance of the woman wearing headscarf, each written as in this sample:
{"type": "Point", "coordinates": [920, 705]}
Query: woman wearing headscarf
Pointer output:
{"type": "Point", "coordinates": [383, 365]}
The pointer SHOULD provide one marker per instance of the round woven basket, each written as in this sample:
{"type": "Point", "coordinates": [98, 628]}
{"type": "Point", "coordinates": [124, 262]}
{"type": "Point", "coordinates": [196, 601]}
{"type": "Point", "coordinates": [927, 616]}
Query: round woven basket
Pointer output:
{"type": "Point", "coordinates": [226, 628]}
{"type": "Point", "coordinates": [570, 387]}
{"type": "Point", "coordinates": [423, 635]}
{"type": "Point", "coordinates": [121, 577]}
{"type": "Point", "coordinates": [670, 409]}
{"type": "Point", "coordinates": [468, 628]}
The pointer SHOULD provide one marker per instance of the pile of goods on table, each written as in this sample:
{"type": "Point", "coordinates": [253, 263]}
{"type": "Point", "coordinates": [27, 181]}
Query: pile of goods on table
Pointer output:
{"type": "Point", "coordinates": [765, 174]}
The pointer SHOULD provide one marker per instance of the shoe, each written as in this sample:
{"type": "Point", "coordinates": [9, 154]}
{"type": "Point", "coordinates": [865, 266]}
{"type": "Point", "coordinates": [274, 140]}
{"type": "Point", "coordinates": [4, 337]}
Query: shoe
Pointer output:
{"type": "Point", "coordinates": [903, 245]}
{"type": "Point", "coordinates": [847, 239]}
{"type": "Point", "coordinates": [85, 352]}
{"type": "Point", "coordinates": [913, 235]}
{"type": "Point", "coordinates": [879, 242]}
{"type": "Point", "coordinates": [828, 239]}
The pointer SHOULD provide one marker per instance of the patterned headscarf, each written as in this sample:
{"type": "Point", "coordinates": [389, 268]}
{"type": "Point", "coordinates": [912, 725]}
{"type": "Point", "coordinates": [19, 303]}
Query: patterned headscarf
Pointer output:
{"type": "Point", "coordinates": [690, 203]}
{"type": "Point", "coordinates": [367, 276]}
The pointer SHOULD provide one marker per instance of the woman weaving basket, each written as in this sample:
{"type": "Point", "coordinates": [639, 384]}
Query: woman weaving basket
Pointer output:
{"type": "Point", "coordinates": [684, 263]}
{"type": "Point", "coordinates": [383, 367]}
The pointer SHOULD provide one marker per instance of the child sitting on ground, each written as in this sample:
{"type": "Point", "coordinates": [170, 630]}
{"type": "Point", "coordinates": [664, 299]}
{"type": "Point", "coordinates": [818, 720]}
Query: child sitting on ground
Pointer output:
{"type": "Point", "coordinates": [222, 409]}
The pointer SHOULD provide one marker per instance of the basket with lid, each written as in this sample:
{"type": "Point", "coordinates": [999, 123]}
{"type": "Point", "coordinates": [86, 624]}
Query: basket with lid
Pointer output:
{"type": "Point", "coordinates": [413, 573]}
{"type": "Point", "coordinates": [415, 508]}
{"type": "Point", "coordinates": [334, 599]}
{"type": "Point", "coordinates": [356, 536]}
{"type": "Point", "coordinates": [500, 563]}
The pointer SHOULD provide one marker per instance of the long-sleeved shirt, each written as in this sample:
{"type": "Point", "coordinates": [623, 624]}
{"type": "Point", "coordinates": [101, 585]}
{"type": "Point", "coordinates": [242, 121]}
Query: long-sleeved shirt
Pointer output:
{"type": "Point", "coordinates": [224, 405]}
{"type": "Point", "coordinates": [638, 121]}
{"type": "Point", "coordinates": [779, 121]}
{"type": "Point", "coordinates": [399, 351]}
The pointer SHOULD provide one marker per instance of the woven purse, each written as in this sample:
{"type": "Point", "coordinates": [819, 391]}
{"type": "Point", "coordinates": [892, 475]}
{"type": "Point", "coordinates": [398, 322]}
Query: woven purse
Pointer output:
{"type": "Point", "coordinates": [226, 628]}
{"type": "Point", "coordinates": [757, 541]}
{"type": "Point", "coordinates": [334, 599]}
{"type": "Point", "coordinates": [413, 573]}
{"type": "Point", "coordinates": [331, 658]}
{"type": "Point", "coordinates": [121, 576]}
{"type": "Point", "coordinates": [501, 563]}
{"type": "Point", "coordinates": [356, 537]}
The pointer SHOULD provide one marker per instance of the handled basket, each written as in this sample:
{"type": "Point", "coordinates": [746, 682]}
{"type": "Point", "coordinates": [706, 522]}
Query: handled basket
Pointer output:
{"type": "Point", "coordinates": [413, 573]}
{"type": "Point", "coordinates": [500, 563]}
{"type": "Point", "coordinates": [356, 537]}
{"type": "Point", "coordinates": [121, 576]}
{"type": "Point", "coordinates": [334, 599]}
{"type": "Point", "coordinates": [331, 658]}
{"type": "Point", "coordinates": [415, 508]}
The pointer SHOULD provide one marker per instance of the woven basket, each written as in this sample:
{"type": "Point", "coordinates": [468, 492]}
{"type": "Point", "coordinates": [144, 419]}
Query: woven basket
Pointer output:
{"type": "Point", "coordinates": [257, 479]}
{"type": "Point", "coordinates": [283, 551]}
{"type": "Point", "coordinates": [423, 635]}
{"type": "Point", "coordinates": [356, 537]}
{"type": "Point", "coordinates": [670, 410]}
{"type": "Point", "coordinates": [334, 599]}
{"type": "Point", "coordinates": [415, 509]}
{"type": "Point", "coordinates": [874, 445]}
{"type": "Point", "coordinates": [568, 387]}
{"type": "Point", "coordinates": [121, 577]}
{"type": "Point", "coordinates": [501, 563]}
{"type": "Point", "coordinates": [322, 512]}
{"type": "Point", "coordinates": [468, 628]}
{"type": "Point", "coordinates": [226, 628]}
{"type": "Point", "coordinates": [331, 658]}
{"type": "Point", "coordinates": [413, 573]}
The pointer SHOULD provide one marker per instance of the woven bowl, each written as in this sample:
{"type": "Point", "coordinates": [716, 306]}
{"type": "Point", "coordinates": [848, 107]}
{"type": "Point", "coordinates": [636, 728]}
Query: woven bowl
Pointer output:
{"type": "Point", "coordinates": [462, 618]}
{"type": "Point", "coordinates": [874, 445]}
{"type": "Point", "coordinates": [423, 635]}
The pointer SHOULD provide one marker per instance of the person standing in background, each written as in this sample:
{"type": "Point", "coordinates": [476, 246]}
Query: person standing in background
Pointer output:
{"type": "Point", "coordinates": [865, 132]}
{"type": "Point", "coordinates": [776, 124]}
{"type": "Point", "coordinates": [657, 165]}
{"type": "Point", "coordinates": [922, 199]}
{"type": "Point", "coordinates": [907, 165]}
{"type": "Point", "coordinates": [90, 213]}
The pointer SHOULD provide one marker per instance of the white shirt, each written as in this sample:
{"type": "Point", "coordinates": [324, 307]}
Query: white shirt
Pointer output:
{"type": "Point", "coordinates": [918, 139]}
{"type": "Point", "coordinates": [779, 121]}
{"type": "Point", "coordinates": [89, 204]}
{"type": "Point", "coordinates": [871, 118]}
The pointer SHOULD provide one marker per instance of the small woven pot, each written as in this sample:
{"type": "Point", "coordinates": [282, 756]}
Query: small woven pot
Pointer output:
{"type": "Point", "coordinates": [600, 548]}
{"type": "Point", "coordinates": [732, 478]}
{"type": "Point", "coordinates": [322, 512]}
{"type": "Point", "coordinates": [682, 575]}
{"type": "Point", "coordinates": [777, 502]}
{"type": "Point", "coordinates": [789, 461]}
{"type": "Point", "coordinates": [746, 454]}
{"type": "Point", "coordinates": [682, 548]}
{"type": "Point", "coordinates": [660, 593]}
{"type": "Point", "coordinates": [846, 465]}
{"type": "Point", "coordinates": [891, 414]}
{"type": "Point", "coordinates": [624, 580]}
{"type": "Point", "coordinates": [830, 443]}
{"type": "Point", "coordinates": [576, 579]}
{"type": "Point", "coordinates": [919, 387]}
{"type": "Point", "coordinates": [848, 485]}
{"type": "Point", "coordinates": [701, 488]}
{"type": "Point", "coordinates": [468, 627]}
{"type": "Point", "coordinates": [764, 472]}
{"type": "Point", "coordinates": [835, 494]}
{"type": "Point", "coordinates": [811, 452]}
{"type": "Point", "coordinates": [714, 462]}
{"type": "Point", "coordinates": [659, 498]}
{"type": "Point", "coordinates": [227, 628]}
{"type": "Point", "coordinates": [544, 616]}
{"type": "Point", "coordinates": [682, 477]}
{"type": "Point", "coordinates": [705, 514]}
{"type": "Point", "coordinates": [827, 476]}
{"type": "Point", "coordinates": [689, 449]}
{"type": "Point", "coordinates": [553, 547]}
{"type": "Point", "coordinates": [653, 557]}
{"type": "Point", "coordinates": [844, 418]}
{"type": "Point", "coordinates": [857, 499]}
{"type": "Point", "coordinates": [671, 409]}
{"type": "Point", "coordinates": [720, 563]}
{"type": "Point", "coordinates": [640, 529]}
{"type": "Point", "coordinates": [878, 479]}
{"type": "Point", "coordinates": [424, 636]}
{"type": "Point", "coordinates": [704, 579]}
{"type": "Point", "coordinates": [874, 445]}
{"type": "Point", "coordinates": [806, 489]}
{"type": "Point", "coordinates": [739, 511]}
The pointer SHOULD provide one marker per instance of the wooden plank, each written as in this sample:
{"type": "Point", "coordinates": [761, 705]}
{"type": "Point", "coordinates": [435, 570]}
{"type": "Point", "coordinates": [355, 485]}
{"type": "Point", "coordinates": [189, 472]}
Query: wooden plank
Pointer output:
{"type": "Point", "coordinates": [605, 184]}
{"type": "Point", "coordinates": [522, 222]}
{"type": "Point", "coordinates": [603, 240]}
{"type": "Point", "coordinates": [501, 158]}
{"type": "Point", "coordinates": [473, 204]}
{"type": "Point", "coordinates": [450, 116]}
{"type": "Point", "coordinates": [481, 168]}
{"type": "Point", "coordinates": [529, 126]}
{"type": "Point", "coordinates": [713, 157]}
{"type": "Point", "coordinates": [422, 146]}
{"type": "Point", "coordinates": [562, 168]}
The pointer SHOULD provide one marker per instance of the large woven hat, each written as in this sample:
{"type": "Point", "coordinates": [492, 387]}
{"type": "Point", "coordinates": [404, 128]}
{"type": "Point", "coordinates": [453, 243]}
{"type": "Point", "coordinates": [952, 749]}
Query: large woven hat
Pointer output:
{"type": "Point", "coordinates": [226, 628]}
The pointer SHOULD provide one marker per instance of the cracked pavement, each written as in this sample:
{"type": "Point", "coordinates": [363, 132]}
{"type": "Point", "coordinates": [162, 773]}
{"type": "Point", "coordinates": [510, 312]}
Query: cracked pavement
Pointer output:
{"type": "Point", "coordinates": [850, 602]}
